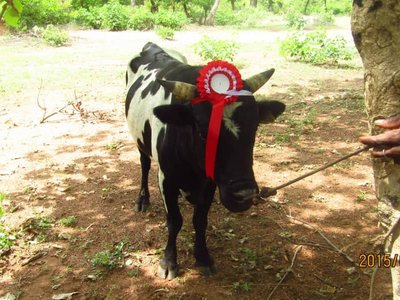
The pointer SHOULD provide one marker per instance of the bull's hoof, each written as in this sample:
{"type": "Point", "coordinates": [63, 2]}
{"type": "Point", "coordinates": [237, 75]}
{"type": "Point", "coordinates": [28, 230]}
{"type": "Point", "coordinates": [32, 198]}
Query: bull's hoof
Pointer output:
{"type": "Point", "coordinates": [207, 270]}
{"type": "Point", "coordinates": [167, 271]}
{"type": "Point", "coordinates": [142, 204]}
{"type": "Point", "coordinates": [142, 207]}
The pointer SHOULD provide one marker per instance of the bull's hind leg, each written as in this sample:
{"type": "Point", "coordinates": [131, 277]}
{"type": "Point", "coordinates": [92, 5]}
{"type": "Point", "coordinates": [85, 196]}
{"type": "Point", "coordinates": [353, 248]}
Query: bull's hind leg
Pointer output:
{"type": "Point", "coordinates": [204, 261]}
{"type": "Point", "coordinates": [143, 201]}
{"type": "Point", "coordinates": [168, 265]}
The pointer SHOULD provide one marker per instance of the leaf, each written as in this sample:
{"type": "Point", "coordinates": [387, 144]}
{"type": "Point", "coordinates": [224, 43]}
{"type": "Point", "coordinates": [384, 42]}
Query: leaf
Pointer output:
{"type": "Point", "coordinates": [12, 14]}
{"type": "Point", "coordinates": [11, 17]}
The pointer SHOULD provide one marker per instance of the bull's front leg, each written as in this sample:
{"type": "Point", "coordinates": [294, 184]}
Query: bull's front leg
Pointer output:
{"type": "Point", "coordinates": [204, 261]}
{"type": "Point", "coordinates": [168, 265]}
{"type": "Point", "coordinates": [143, 200]}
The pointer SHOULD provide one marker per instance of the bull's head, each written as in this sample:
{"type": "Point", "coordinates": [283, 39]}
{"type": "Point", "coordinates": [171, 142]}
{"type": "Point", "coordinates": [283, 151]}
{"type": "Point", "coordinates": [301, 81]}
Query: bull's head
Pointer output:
{"type": "Point", "coordinates": [234, 159]}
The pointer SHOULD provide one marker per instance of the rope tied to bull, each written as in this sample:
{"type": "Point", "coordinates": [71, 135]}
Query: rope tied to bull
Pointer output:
{"type": "Point", "coordinates": [267, 191]}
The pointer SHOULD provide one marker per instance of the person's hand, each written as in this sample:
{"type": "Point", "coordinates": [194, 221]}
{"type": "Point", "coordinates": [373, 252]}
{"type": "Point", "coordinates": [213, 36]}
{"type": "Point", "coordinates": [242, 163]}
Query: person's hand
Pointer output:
{"type": "Point", "coordinates": [386, 144]}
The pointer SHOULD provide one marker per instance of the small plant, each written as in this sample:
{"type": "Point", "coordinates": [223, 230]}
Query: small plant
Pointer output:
{"type": "Point", "coordinates": [134, 272]}
{"type": "Point", "coordinates": [69, 221]}
{"type": "Point", "coordinates": [141, 19]}
{"type": "Point", "coordinates": [211, 49]}
{"type": "Point", "coordinates": [316, 48]}
{"type": "Point", "coordinates": [115, 16]}
{"type": "Point", "coordinates": [54, 36]}
{"type": "Point", "coordinates": [109, 259]}
{"type": "Point", "coordinates": [166, 33]}
{"type": "Point", "coordinates": [5, 238]}
{"type": "Point", "coordinates": [361, 197]}
{"type": "Point", "coordinates": [170, 20]}
{"type": "Point", "coordinates": [295, 20]}
{"type": "Point", "coordinates": [240, 286]}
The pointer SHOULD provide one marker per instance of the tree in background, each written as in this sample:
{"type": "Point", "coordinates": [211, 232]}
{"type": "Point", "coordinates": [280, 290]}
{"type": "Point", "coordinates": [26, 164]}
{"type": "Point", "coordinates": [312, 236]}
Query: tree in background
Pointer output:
{"type": "Point", "coordinates": [211, 15]}
{"type": "Point", "coordinates": [375, 28]}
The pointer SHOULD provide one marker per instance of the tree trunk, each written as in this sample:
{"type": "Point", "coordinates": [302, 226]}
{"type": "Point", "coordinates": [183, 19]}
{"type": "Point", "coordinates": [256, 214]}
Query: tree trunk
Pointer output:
{"type": "Point", "coordinates": [154, 6]}
{"type": "Point", "coordinates": [306, 7]}
{"type": "Point", "coordinates": [253, 3]}
{"type": "Point", "coordinates": [375, 28]}
{"type": "Point", "coordinates": [185, 9]}
{"type": "Point", "coordinates": [211, 15]}
{"type": "Point", "coordinates": [233, 4]}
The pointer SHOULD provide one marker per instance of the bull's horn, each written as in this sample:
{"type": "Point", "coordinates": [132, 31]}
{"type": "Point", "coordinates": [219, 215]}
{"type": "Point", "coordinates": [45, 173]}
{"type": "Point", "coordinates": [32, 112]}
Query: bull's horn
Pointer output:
{"type": "Point", "coordinates": [257, 81]}
{"type": "Point", "coordinates": [181, 90]}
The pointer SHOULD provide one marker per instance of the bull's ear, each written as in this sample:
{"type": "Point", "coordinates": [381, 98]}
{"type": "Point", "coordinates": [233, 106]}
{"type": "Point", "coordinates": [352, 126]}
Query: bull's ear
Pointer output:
{"type": "Point", "coordinates": [177, 114]}
{"type": "Point", "coordinates": [268, 111]}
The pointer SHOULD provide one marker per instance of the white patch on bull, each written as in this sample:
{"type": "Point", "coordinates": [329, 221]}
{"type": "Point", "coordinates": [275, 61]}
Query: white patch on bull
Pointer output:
{"type": "Point", "coordinates": [140, 111]}
{"type": "Point", "coordinates": [161, 179]}
{"type": "Point", "coordinates": [227, 117]}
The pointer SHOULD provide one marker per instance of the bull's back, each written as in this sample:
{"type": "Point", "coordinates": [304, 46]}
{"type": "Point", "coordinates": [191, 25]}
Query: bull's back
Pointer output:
{"type": "Point", "coordinates": [144, 93]}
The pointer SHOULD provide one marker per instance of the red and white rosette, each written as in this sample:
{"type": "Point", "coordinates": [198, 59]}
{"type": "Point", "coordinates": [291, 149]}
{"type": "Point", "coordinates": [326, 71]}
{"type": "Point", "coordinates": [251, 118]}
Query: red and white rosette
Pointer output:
{"type": "Point", "coordinates": [219, 83]}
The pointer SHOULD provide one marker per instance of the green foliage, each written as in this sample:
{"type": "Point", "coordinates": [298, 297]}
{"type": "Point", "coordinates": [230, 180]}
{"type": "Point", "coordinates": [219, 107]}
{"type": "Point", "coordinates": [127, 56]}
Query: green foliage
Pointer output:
{"type": "Point", "coordinates": [173, 20]}
{"type": "Point", "coordinates": [115, 16]}
{"type": "Point", "coordinates": [316, 48]}
{"type": "Point", "coordinates": [325, 18]}
{"type": "Point", "coordinates": [212, 49]}
{"type": "Point", "coordinates": [142, 19]}
{"type": "Point", "coordinates": [43, 12]}
{"type": "Point", "coordinates": [12, 12]}
{"type": "Point", "coordinates": [165, 33]}
{"type": "Point", "coordinates": [109, 259]}
{"type": "Point", "coordinates": [91, 17]}
{"type": "Point", "coordinates": [295, 20]}
{"type": "Point", "coordinates": [77, 4]}
{"type": "Point", "coordinates": [69, 221]}
{"type": "Point", "coordinates": [5, 238]}
{"type": "Point", "coordinates": [55, 36]}
{"type": "Point", "coordinates": [340, 7]}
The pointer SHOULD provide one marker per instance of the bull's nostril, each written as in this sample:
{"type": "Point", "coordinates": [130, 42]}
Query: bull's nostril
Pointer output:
{"type": "Point", "coordinates": [246, 194]}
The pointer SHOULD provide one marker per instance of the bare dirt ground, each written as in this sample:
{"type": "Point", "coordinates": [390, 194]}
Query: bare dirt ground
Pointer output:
{"type": "Point", "coordinates": [84, 164]}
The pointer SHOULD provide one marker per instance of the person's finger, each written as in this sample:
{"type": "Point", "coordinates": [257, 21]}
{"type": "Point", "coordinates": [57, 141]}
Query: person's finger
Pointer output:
{"type": "Point", "coordinates": [393, 152]}
{"type": "Point", "coordinates": [391, 137]}
{"type": "Point", "coordinates": [390, 123]}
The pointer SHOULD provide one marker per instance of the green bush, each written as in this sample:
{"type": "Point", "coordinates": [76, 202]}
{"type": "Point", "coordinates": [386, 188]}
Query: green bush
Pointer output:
{"type": "Point", "coordinates": [295, 20]}
{"type": "Point", "coordinates": [211, 49]}
{"type": "Point", "coordinates": [165, 33]}
{"type": "Point", "coordinates": [171, 20]}
{"type": "Point", "coordinates": [325, 18]}
{"type": "Point", "coordinates": [316, 48]}
{"type": "Point", "coordinates": [115, 16]}
{"type": "Point", "coordinates": [141, 19]}
{"type": "Point", "coordinates": [91, 17]}
{"type": "Point", "coordinates": [44, 12]}
{"type": "Point", "coordinates": [227, 17]}
{"type": "Point", "coordinates": [55, 36]}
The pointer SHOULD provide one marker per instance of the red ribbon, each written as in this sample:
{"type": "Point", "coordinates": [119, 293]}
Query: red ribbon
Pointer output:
{"type": "Point", "coordinates": [218, 102]}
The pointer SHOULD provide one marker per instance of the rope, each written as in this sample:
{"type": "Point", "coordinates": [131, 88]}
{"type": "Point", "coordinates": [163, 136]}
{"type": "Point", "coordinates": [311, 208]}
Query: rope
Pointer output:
{"type": "Point", "coordinates": [266, 191]}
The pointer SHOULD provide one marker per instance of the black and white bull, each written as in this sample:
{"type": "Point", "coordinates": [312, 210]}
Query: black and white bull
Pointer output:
{"type": "Point", "coordinates": [172, 131]}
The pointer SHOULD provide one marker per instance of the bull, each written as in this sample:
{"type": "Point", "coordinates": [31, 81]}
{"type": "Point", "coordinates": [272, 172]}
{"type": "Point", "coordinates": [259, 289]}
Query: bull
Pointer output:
{"type": "Point", "coordinates": [170, 129]}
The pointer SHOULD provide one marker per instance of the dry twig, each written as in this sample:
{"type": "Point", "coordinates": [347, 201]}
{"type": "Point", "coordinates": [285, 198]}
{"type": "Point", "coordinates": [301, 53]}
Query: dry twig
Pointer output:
{"type": "Point", "coordinates": [288, 270]}
{"type": "Point", "coordinates": [334, 247]}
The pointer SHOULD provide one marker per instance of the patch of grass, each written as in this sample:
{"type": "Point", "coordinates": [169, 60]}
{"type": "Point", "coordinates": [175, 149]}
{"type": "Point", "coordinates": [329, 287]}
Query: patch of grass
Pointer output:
{"type": "Point", "coordinates": [165, 32]}
{"type": "Point", "coordinates": [241, 286]}
{"type": "Point", "coordinates": [109, 259]}
{"type": "Point", "coordinates": [54, 36]}
{"type": "Point", "coordinates": [69, 221]}
{"type": "Point", "coordinates": [134, 272]}
{"type": "Point", "coordinates": [6, 239]}
{"type": "Point", "coordinates": [361, 196]}
{"type": "Point", "coordinates": [250, 257]}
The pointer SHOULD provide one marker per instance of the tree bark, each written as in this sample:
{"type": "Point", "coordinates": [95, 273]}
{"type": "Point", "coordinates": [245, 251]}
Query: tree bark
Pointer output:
{"type": "Point", "coordinates": [211, 15]}
{"type": "Point", "coordinates": [375, 28]}
{"type": "Point", "coordinates": [233, 4]}
{"type": "Point", "coordinates": [253, 3]}
{"type": "Point", "coordinates": [154, 6]}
